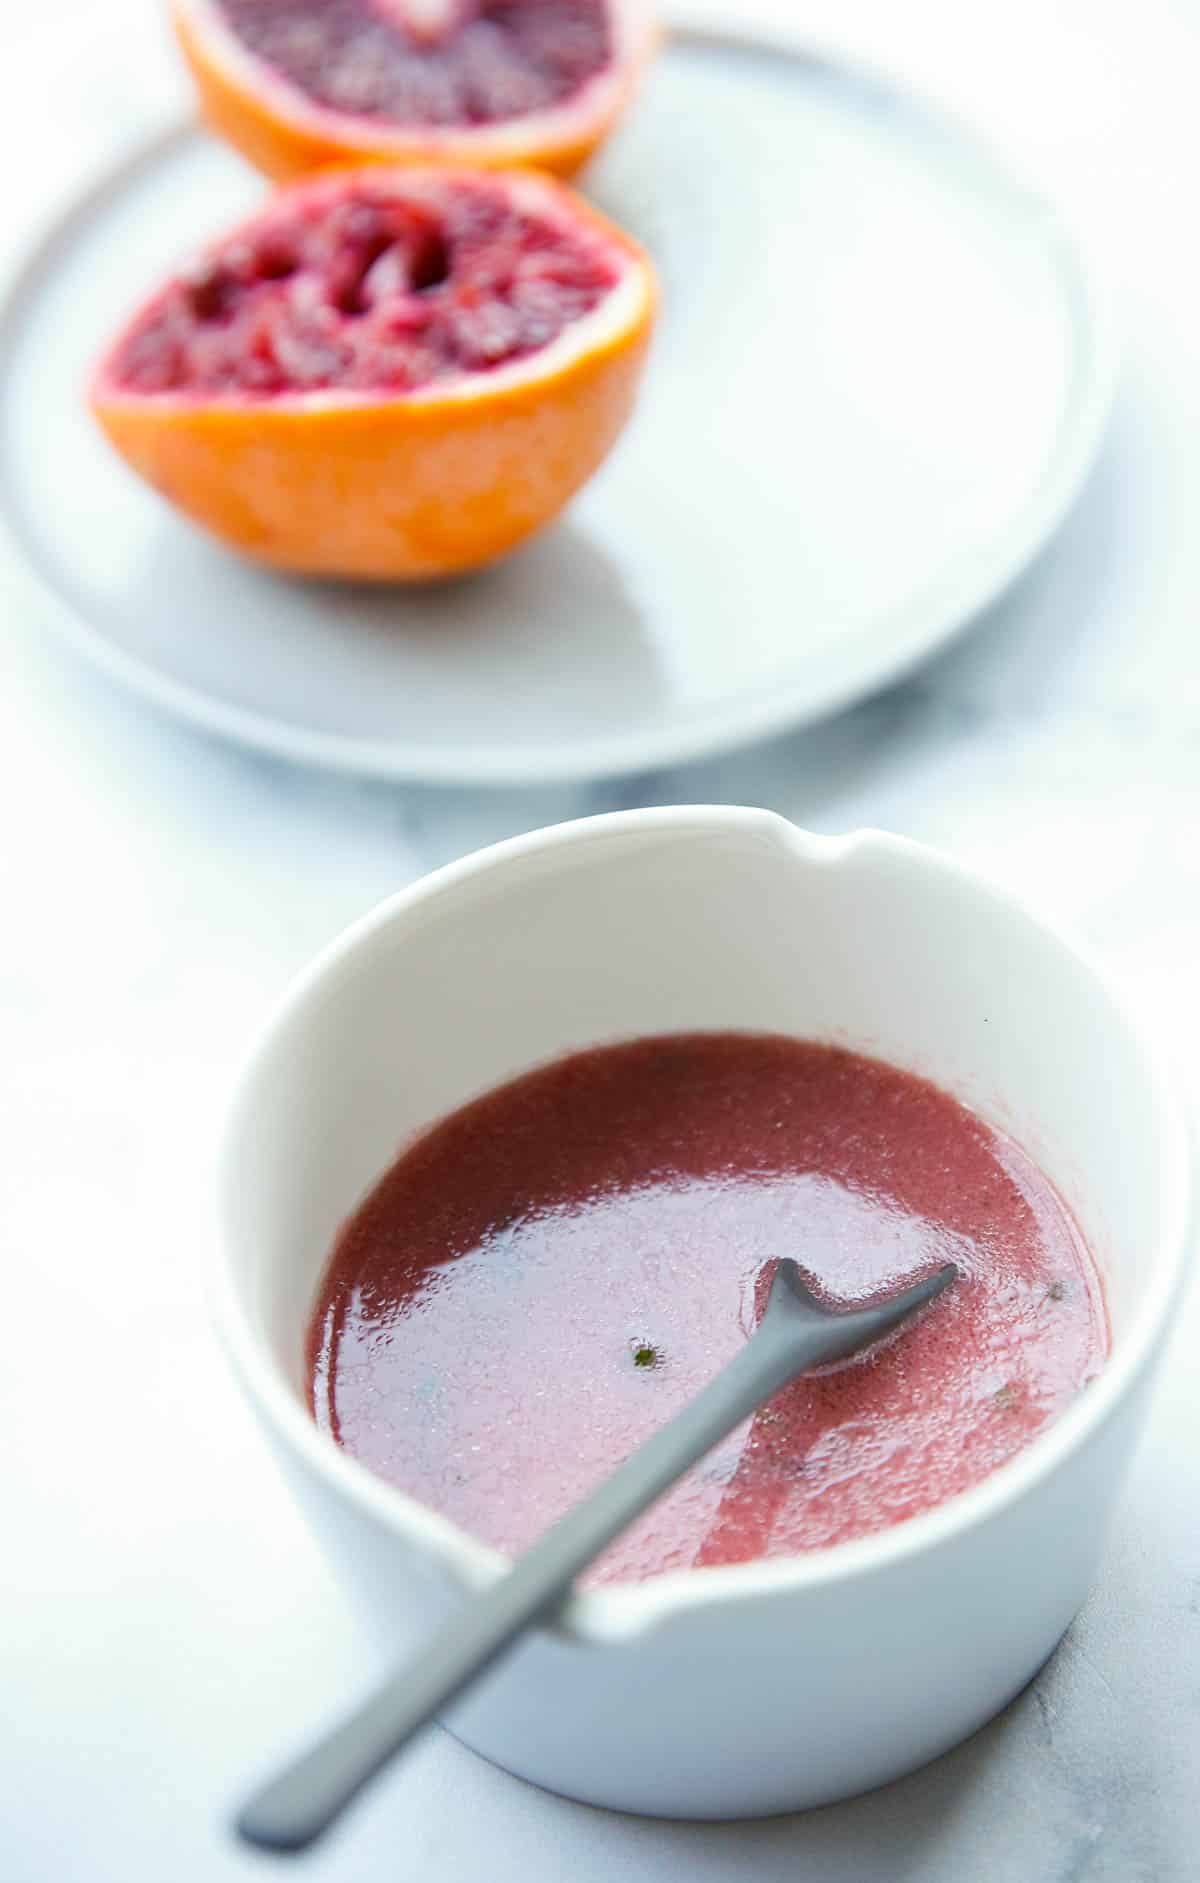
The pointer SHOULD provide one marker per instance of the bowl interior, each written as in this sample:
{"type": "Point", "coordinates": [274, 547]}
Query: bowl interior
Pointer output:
{"type": "Point", "coordinates": [661, 921]}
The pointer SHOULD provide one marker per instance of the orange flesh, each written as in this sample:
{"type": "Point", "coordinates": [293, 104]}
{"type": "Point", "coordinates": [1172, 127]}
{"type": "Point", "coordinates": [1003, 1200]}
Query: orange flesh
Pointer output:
{"type": "Point", "coordinates": [490, 61]}
{"type": "Point", "coordinates": [390, 286]}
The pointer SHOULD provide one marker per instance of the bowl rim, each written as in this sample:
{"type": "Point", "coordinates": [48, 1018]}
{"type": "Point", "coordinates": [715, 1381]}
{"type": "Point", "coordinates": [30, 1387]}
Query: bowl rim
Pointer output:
{"type": "Point", "coordinates": [620, 1611]}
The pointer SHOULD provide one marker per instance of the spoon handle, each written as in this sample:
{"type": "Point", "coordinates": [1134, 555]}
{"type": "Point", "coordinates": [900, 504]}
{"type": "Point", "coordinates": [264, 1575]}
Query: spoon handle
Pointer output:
{"type": "Point", "coordinates": [294, 1808]}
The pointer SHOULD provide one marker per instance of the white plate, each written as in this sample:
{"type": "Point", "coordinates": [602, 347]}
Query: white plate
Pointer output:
{"type": "Point", "coordinates": [882, 371]}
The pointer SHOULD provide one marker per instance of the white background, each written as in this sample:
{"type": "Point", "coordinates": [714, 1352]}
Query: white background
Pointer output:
{"type": "Point", "coordinates": [166, 1623]}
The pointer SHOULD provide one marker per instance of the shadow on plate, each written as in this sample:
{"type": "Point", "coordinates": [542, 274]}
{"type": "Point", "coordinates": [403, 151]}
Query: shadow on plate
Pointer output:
{"type": "Point", "coordinates": [550, 637]}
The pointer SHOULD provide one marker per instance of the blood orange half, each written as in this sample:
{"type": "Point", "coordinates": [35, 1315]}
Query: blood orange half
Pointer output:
{"type": "Point", "coordinates": [296, 84]}
{"type": "Point", "coordinates": [390, 374]}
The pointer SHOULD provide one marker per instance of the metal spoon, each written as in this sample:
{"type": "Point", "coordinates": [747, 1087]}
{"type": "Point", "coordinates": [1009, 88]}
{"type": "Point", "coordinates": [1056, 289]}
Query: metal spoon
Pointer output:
{"type": "Point", "coordinates": [796, 1332]}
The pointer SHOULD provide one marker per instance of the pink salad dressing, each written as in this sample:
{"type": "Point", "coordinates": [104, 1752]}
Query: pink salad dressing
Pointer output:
{"type": "Point", "coordinates": [543, 1278]}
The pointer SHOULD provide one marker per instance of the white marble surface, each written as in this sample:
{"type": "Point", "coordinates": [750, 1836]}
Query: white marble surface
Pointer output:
{"type": "Point", "coordinates": [167, 1622]}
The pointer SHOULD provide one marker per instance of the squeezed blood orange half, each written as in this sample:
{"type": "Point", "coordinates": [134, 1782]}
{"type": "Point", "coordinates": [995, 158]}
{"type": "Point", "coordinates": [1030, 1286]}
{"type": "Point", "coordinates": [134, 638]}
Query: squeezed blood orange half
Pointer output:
{"type": "Point", "coordinates": [298, 84]}
{"type": "Point", "coordinates": [389, 374]}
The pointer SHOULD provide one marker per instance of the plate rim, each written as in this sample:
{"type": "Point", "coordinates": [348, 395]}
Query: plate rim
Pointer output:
{"type": "Point", "coordinates": [724, 726]}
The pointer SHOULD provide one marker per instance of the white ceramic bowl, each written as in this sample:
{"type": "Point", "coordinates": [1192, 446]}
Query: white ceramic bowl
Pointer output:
{"type": "Point", "coordinates": [763, 1687]}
